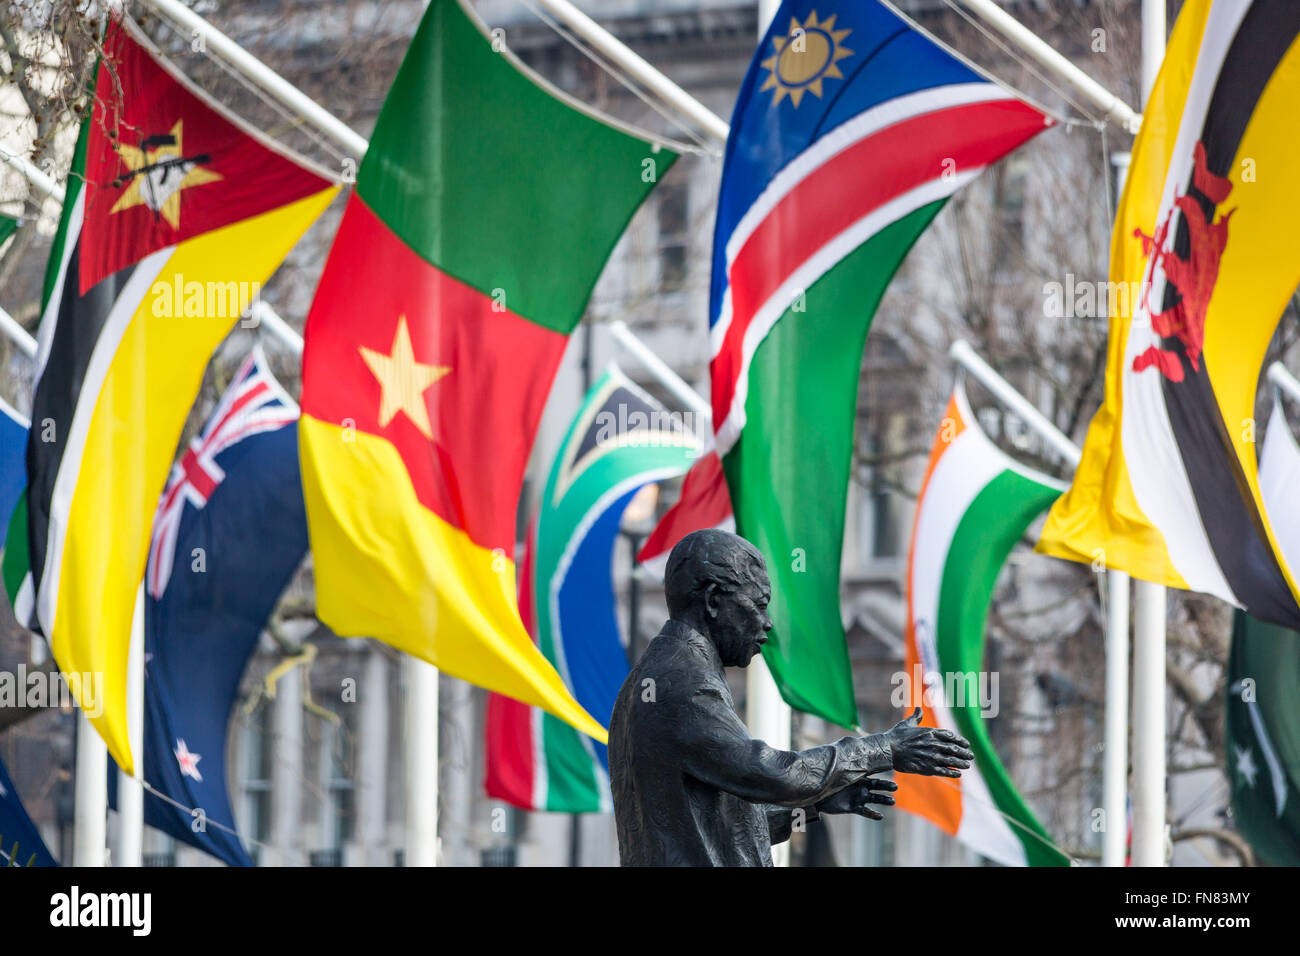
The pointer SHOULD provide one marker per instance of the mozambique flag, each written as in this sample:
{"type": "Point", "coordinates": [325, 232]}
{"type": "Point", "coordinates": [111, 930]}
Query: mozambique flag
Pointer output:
{"type": "Point", "coordinates": [851, 131]}
{"type": "Point", "coordinates": [1203, 255]}
{"type": "Point", "coordinates": [484, 211]}
{"type": "Point", "coordinates": [176, 212]}
{"type": "Point", "coordinates": [620, 441]}
{"type": "Point", "coordinates": [975, 504]}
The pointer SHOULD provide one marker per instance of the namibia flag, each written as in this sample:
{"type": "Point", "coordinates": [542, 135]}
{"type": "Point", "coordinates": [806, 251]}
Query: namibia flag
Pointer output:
{"type": "Point", "coordinates": [484, 211]}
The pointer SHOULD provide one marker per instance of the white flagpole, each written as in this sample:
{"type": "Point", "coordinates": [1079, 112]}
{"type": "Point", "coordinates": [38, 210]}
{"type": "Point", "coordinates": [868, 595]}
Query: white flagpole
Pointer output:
{"type": "Point", "coordinates": [1281, 376]}
{"type": "Point", "coordinates": [47, 186]}
{"type": "Point", "coordinates": [130, 794]}
{"type": "Point", "coordinates": [421, 719]}
{"type": "Point", "coordinates": [90, 796]}
{"type": "Point", "coordinates": [1030, 43]}
{"type": "Point", "coordinates": [1149, 604]}
{"type": "Point", "coordinates": [19, 335]}
{"type": "Point", "coordinates": [766, 712]}
{"type": "Point", "coordinates": [1114, 764]}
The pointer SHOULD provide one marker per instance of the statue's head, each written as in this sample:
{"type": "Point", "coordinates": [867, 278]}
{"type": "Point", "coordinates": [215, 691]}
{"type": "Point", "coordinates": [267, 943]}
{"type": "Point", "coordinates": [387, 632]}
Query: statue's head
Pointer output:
{"type": "Point", "coordinates": [717, 583]}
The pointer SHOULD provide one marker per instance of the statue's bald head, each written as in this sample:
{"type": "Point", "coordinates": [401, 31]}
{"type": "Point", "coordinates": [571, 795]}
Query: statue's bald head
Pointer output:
{"type": "Point", "coordinates": [709, 557]}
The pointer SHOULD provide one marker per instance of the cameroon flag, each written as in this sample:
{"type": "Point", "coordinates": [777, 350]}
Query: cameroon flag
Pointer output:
{"type": "Point", "coordinates": [176, 213]}
{"type": "Point", "coordinates": [484, 211]}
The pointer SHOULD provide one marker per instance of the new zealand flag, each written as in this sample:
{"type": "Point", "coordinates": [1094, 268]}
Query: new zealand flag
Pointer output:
{"type": "Point", "coordinates": [230, 532]}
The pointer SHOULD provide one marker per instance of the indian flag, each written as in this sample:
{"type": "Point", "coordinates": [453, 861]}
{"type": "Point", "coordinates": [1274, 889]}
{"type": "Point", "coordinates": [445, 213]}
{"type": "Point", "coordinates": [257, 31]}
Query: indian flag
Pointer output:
{"type": "Point", "coordinates": [975, 504]}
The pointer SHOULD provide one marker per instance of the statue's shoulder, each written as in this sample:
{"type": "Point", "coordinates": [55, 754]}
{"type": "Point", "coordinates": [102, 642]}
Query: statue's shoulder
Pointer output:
{"type": "Point", "coordinates": [682, 663]}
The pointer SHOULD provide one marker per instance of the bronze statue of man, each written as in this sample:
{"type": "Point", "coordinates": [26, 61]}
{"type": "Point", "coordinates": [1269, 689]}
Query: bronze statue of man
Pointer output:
{"type": "Point", "coordinates": [691, 787]}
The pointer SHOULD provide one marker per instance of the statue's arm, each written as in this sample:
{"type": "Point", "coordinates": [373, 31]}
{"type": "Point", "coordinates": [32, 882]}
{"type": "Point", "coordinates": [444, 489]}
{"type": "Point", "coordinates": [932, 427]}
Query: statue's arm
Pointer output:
{"type": "Point", "coordinates": [717, 750]}
{"type": "Point", "coordinates": [781, 820]}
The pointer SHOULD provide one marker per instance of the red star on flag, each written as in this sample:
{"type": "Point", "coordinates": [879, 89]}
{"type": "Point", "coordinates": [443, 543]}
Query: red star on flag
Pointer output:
{"type": "Point", "coordinates": [189, 762]}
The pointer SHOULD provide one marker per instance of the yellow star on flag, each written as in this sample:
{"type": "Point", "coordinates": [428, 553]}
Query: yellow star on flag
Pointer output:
{"type": "Point", "coordinates": [160, 174]}
{"type": "Point", "coordinates": [403, 380]}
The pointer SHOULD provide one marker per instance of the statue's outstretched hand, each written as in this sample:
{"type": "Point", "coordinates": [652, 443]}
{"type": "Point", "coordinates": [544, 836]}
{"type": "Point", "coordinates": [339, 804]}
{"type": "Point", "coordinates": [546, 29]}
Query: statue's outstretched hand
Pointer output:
{"type": "Point", "coordinates": [857, 798]}
{"type": "Point", "coordinates": [927, 750]}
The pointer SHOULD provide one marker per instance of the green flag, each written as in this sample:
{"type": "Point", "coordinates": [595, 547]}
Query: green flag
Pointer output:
{"type": "Point", "coordinates": [842, 150]}
{"type": "Point", "coordinates": [1263, 737]}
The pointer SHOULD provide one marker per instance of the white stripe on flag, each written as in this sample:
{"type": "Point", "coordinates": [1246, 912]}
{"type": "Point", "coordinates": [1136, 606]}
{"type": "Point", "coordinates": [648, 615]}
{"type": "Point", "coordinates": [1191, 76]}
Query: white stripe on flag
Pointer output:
{"type": "Point", "coordinates": [1155, 464]}
{"type": "Point", "coordinates": [817, 265]}
{"type": "Point", "coordinates": [966, 468]}
{"type": "Point", "coordinates": [826, 148]}
{"type": "Point", "coordinates": [65, 483]}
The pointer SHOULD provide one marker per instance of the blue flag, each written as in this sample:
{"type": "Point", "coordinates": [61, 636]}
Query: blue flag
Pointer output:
{"type": "Point", "coordinates": [229, 534]}
{"type": "Point", "coordinates": [621, 440]}
{"type": "Point", "coordinates": [20, 841]}
{"type": "Point", "coordinates": [13, 459]}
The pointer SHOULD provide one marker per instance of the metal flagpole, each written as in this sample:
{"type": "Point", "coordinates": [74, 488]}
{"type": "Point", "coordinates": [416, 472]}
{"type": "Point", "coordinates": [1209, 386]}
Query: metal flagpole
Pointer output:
{"type": "Point", "coordinates": [421, 720]}
{"type": "Point", "coordinates": [20, 336]}
{"type": "Point", "coordinates": [961, 352]}
{"type": "Point", "coordinates": [1114, 765]}
{"type": "Point", "coordinates": [766, 712]}
{"type": "Point", "coordinates": [130, 793]}
{"type": "Point", "coordinates": [90, 796]}
{"type": "Point", "coordinates": [1110, 105]}
{"type": "Point", "coordinates": [1281, 376]}
{"type": "Point", "coordinates": [44, 183]}
{"type": "Point", "coordinates": [1149, 606]}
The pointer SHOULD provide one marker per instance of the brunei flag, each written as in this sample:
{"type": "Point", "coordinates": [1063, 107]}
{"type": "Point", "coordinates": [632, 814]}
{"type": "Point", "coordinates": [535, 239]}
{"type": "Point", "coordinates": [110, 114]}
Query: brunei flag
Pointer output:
{"type": "Point", "coordinates": [176, 213]}
{"type": "Point", "coordinates": [484, 211]}
{"type": "Point", "coordinates": [1203, 254]}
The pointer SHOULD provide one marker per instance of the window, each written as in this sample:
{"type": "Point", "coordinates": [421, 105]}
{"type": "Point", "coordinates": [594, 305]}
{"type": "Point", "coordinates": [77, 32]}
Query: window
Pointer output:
{"type": "Point", "coordinates": [674, 234]}
{"type": "Point", "coordinates": [255, 816]}
{"type": "Point", "coordinates": [338, 777]}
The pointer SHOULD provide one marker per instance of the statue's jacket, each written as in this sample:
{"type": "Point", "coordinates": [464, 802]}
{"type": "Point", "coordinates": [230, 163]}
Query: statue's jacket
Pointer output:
{"type": "Point", "coordinates": [690, 786]}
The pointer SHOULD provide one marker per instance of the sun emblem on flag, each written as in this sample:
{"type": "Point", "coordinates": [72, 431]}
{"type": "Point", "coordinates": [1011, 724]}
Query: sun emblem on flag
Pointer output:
{"type": "Point", "coordinates": [804, 57]}
{"type": "Point", "coordinates": [157, 171]}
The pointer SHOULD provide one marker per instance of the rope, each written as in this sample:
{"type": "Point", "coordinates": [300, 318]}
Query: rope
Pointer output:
{"type": "Point", "coordinates": [206, 819]}
{"type": "Point", "coordinates": [1093, 120]}
{"type": "Point", "coordinates": [292, 120]}
{"type": "Point", "coordinates": [700, 146]}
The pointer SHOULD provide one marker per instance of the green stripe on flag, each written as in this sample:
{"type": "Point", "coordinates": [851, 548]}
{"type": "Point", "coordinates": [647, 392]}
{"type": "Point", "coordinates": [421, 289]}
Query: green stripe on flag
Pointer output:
{"type": "Point", "coordinates": [498, 203]}
{"type": "Point", "coordinates": [16, 559]}
{"type": "Point", "coordinates": [1262, 727]}
{"type": "Point", "coordinates": [987, 532]}
{"type": "Point", "coordinates": [789, 471]}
